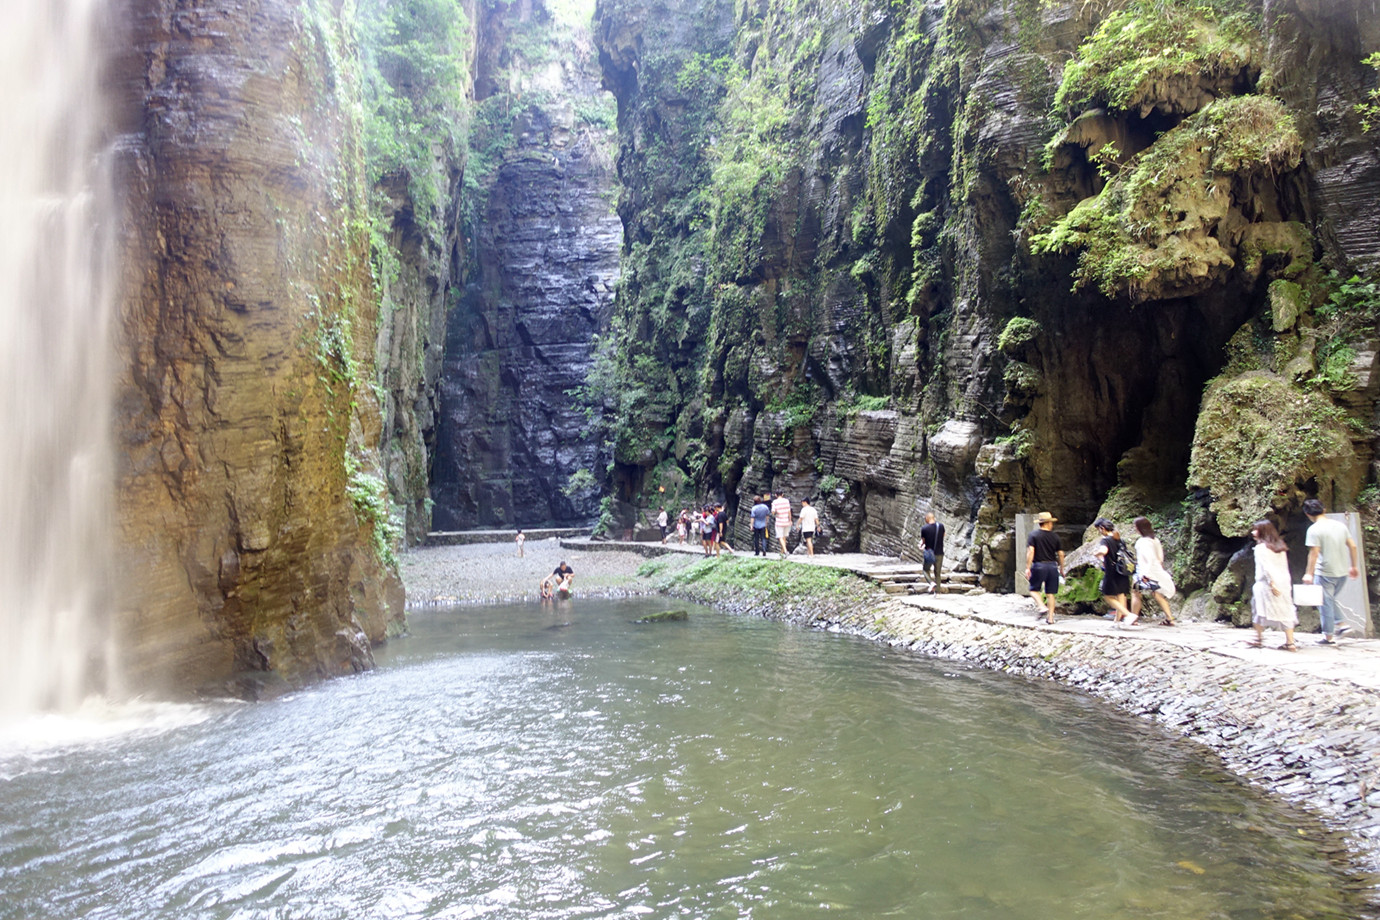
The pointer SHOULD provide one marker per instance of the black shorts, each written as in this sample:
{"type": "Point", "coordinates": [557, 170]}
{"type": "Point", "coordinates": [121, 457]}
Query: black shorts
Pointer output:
{"type": "Point", "coordinates": [1044, 577]}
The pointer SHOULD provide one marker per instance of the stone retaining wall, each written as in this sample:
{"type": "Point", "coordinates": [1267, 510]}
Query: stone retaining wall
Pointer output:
{"type": "Point", "coordinates": [471, 537]}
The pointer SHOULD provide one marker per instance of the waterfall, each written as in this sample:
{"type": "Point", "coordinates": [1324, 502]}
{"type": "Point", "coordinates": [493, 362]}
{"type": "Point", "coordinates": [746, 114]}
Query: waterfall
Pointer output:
{"type": "Point", "coordinates": [56, 299]}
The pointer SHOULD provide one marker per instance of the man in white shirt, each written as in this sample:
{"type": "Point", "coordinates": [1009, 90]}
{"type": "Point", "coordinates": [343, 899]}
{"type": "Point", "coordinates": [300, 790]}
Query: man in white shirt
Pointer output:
{"type": "Point", "coordinates": [1331, 561]}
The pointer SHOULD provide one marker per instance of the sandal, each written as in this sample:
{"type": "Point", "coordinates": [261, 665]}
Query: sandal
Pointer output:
{"type": "Point", "coordinates": [1257, 643]}
{"type": "Point", "coordinates": [1289, 647]}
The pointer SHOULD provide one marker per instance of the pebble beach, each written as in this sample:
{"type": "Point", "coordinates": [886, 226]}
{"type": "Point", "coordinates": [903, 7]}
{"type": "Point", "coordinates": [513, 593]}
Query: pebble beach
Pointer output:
{"type": "Point", "coordinates": [492, 573]}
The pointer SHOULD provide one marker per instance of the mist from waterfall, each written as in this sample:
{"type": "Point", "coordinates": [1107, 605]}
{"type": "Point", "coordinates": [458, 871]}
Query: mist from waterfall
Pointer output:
{"type": "Point", "coordinates": [55, 357]}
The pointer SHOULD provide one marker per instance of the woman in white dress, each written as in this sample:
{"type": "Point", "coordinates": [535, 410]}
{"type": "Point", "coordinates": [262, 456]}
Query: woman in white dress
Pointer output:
{"type": "Point", "coordinates": [1271, 602]}
{"type": "Point", "coordinates": [1151, 576]}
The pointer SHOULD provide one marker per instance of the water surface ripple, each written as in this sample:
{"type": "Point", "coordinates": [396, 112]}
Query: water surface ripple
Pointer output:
{"type": "Point", "coordinates": [561, 762]}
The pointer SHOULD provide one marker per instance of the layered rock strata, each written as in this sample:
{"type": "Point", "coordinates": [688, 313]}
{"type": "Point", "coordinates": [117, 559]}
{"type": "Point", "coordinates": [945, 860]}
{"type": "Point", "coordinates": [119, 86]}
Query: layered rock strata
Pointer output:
{"type": "Point", "coordinates": [986, 258]}
{"type": "Point", "coordinates": [250, 488]}
{"type": "Point", "coordinates": [515, 446]}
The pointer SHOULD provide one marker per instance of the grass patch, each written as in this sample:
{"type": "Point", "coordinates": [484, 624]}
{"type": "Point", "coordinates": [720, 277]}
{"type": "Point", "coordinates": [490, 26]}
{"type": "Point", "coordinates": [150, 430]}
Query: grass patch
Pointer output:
{"type": "Point", "coordinates": [774, 578]}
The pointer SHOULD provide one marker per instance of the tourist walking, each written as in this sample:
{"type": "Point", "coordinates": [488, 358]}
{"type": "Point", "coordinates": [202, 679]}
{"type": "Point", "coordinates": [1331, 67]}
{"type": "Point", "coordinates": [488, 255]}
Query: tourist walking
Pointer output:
{"type": "Point", "coordinates": [1331, 561]}
{"type": "Point", "coordinates": [932, 542]}
{"type": "Point", "coordinates": [1271, 602]}
{"type": "Point", "coordinates": [809, 525]}
{"type": "Point", "coordinates": [1151, 576]}
{"type": "Point", "coordinates": [721, 529]}
{"type": "Point", "coordinates": [683, 525]}
{"type": "Point", "coordinates": [1044, 562]}
{"type": "Point", "coordinates": [663, 521]}
{"type": "Point", "coordinates": [1116, 577]}
{"type": "Point", "coordinates": [760, 512]}
{"type": "Point", "coordinates": [520, 540]}
{"type": "Point", "coordinates": [781, 513]}
{"type": "Point", "coordinates": [707, 528]}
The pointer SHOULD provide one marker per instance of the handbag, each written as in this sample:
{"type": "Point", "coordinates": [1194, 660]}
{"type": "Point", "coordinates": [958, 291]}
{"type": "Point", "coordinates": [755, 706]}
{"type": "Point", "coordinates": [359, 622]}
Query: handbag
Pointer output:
{"type": "Point", "coordinates": [1308, 595]}
{"type": "Point", "coordinates": [1147, 584]}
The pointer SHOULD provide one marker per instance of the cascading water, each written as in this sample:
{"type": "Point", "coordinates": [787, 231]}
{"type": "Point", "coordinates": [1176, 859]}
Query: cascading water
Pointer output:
{"type": "Point", "coordinates": [55, 385]}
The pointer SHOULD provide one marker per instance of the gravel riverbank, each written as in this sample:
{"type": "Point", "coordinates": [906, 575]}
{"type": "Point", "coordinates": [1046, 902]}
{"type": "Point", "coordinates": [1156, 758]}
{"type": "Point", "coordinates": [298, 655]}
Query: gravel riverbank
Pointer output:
{"type": "Point", "coordinates": [1304, 726]}
{"type": "Point", "coordinates": [491, 573]}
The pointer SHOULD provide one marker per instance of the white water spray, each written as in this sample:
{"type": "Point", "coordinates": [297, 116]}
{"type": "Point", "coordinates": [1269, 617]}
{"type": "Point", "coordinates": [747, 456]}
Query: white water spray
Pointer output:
{"type": "Point", "coordinates": [55, 384]}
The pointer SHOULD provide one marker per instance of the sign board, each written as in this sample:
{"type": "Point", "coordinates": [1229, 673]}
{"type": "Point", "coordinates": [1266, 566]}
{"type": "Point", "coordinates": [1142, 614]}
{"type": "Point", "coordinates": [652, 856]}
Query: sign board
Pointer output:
{"type": "Point", "coordinates": [1025, 523]}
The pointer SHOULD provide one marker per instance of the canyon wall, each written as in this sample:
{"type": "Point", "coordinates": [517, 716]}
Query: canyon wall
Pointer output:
{"type": "Point", "coordinates": [981, 257]}
{"type": "Point", "coordinates": [514, 446]}
{"type": "Point", "coordinates": [254, 521]}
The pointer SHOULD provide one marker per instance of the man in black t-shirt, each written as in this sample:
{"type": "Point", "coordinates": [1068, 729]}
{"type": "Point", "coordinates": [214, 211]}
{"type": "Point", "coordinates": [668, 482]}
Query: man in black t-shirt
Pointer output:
{"type": "Point", "coordinates": [932, 539]}
{"type": "Point", "coordinates": [1044, 562]}
{"type": "Point", "coordinates": [562, 579]}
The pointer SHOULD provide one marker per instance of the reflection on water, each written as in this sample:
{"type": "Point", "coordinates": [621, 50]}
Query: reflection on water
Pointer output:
{"type": "Point", "coordinates": [561, 762]}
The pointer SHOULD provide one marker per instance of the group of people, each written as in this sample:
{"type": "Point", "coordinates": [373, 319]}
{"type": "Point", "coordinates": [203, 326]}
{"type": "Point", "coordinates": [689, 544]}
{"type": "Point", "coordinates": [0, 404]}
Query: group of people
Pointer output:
{"type": "Point", "coordinates": [1331, 561]}
{"type": "Point", "coordinates": [777, 509]}
{"type": "Point", "coordinates": [561, 581]}
{"type": "Point", "coordinates": [710, 525]}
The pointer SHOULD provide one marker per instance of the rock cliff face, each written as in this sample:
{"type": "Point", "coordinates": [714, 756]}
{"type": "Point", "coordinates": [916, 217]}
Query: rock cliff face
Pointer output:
{"type": "Point", "coordinates": [989, 257]}
{"type": "Point", "coordinates": [514, 446]}
{"type": "Point", "coordinates": [251, 506]}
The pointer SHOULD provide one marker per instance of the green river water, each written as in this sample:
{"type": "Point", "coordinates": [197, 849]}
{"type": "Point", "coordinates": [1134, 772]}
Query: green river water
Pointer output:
{"type": "Point", "coordinates": [559, 761]}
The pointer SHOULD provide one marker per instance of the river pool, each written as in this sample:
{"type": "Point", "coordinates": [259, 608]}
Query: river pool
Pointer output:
{"type": "Point", "coordinates": [560, 761]}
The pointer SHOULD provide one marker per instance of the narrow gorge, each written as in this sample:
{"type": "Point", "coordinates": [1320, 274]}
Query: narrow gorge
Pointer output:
{"type": "Point", "coordinates": [388, 267]}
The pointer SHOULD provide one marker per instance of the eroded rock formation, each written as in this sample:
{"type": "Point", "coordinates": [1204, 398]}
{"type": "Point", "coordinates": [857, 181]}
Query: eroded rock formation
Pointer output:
{"type": "Point", "coordinates": [982, 258]}
{"type": "Point", "coordinates": [251, 499]}
{"type": "Point", "coordinates": [515, 446]}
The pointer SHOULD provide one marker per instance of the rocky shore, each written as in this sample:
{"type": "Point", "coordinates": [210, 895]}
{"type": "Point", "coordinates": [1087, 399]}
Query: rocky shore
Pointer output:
{"type": "Point", "coordinates": [493, 573]}
{"type": "Point", "coordinates": [1304, 726]}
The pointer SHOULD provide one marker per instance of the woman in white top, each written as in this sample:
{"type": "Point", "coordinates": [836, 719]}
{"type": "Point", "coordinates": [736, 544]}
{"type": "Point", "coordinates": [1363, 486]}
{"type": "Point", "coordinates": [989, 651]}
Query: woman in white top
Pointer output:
{"type": "Point", "coordinates": [1271, 601]}
{"type": "Point", "coordinates": [809, 524]}
{"type": "Point", "coordinates": [1151, 576]}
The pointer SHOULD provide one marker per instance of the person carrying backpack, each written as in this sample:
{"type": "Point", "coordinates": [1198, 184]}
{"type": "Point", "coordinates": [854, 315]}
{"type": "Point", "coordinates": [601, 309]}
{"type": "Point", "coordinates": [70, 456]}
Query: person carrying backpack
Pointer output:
{"type": "Point", "coordinates": [1117, 568]}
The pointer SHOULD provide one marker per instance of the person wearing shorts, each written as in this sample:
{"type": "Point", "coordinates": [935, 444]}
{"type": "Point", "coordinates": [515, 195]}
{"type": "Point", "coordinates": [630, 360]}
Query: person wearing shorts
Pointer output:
{"type": "Point", "coordinates": [809, 525]}
{"type": "Point", "coordinates": [781, 515]}
{"type": "Point", "coordinates": [1044, 562]}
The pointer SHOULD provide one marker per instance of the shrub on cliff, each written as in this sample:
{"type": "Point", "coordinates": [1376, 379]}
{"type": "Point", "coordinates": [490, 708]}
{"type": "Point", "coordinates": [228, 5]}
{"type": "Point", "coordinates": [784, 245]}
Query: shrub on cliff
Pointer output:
{"type": "Point", "coordinates": [1257, 438]}
{"type": "Point", "coordinates": [1153, 230]}
{"type": "Point", "coordinates": [1162, 54]}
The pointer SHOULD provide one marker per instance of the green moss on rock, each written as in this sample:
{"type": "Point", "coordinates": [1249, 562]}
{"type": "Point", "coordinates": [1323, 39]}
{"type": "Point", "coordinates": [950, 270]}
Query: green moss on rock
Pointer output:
{"type": "Point", "coordinates": [1153, 230]}
{"type": "Point", "coordinates": [1288, 301]}
{"type": "Point", "coordinates": [1160, 54]}
{"type": "Point", "coordinates": [1257, 437]}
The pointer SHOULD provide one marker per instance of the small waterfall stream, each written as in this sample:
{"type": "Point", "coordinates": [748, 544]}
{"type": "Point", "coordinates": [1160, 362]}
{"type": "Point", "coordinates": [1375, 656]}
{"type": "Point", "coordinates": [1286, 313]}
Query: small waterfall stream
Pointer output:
{"type": "Point", "coordinates": [55, 381]}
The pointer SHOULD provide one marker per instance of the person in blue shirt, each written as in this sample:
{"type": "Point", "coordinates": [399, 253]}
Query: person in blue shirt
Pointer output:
{"type": "Point", "coordinates": [760, 511]}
